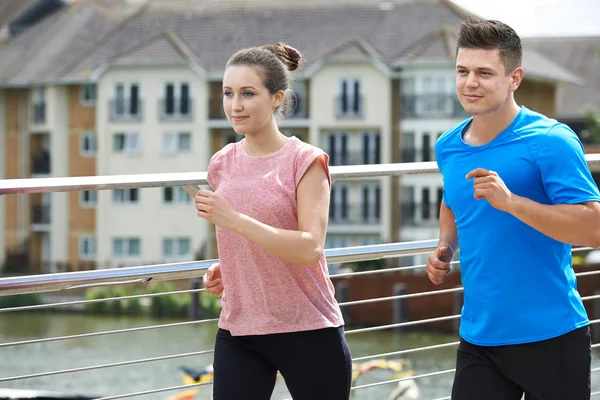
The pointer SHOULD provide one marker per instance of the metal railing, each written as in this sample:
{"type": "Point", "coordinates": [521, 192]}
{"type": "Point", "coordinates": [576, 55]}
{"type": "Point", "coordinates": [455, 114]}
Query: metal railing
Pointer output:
{"type": "Point", "coordinates": [195, 269]}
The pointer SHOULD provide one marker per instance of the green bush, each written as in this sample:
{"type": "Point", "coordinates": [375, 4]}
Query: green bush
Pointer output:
{"type": "Point", "coordinates": [101, 292]}
{"type": "Point", "coordinates": [211, 305]}
{"type": "Point", "coordinates": [171, 305]}
{"type": "Point", "coordinates": [166, 305]}
{"type": "Point", "coordinates": [117, 306]}
{"type": "Point", "coordinates": [133, 306]}
{"type": "Point", "coordinates": [20, 300]}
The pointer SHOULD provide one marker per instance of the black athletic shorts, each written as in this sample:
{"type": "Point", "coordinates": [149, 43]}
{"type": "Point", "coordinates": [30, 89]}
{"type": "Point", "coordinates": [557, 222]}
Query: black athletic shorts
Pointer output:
{"type": "Point", "coordinates": [553, 369]}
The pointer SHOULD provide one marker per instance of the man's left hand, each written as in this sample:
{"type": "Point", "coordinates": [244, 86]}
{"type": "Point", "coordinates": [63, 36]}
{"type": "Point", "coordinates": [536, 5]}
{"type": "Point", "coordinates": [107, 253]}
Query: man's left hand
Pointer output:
{"type": "Point", "coordinates": [488, 185]}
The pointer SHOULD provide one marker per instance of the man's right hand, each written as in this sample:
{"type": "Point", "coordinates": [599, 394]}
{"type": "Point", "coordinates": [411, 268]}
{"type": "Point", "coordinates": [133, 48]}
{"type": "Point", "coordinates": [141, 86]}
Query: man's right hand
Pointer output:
{"type": "Point", "coordinates": [438, 263]}
{"type": "Point", "coordinates": [212, 280]}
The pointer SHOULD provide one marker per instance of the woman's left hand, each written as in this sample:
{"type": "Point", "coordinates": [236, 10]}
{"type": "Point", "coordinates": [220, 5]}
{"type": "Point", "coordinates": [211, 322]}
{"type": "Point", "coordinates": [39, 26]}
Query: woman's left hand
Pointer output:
{"type": "Point", "coordinates": [215, 209]}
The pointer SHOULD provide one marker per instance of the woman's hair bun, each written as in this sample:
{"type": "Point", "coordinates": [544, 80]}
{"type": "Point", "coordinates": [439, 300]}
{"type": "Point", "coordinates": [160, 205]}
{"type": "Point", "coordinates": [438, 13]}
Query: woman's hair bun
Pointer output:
{"type": "Point", "coordinates": [290, 57]}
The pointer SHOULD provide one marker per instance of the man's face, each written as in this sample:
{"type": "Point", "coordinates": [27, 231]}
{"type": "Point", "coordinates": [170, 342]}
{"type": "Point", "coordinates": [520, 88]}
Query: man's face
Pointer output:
{"type": "Point", "coordinates": [482, 84]}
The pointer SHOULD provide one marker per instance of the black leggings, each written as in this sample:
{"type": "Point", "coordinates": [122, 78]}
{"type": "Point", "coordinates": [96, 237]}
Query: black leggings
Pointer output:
{"type": "Point", "coordinates": [314, 364]}
{"type": "Point", "coordinates": [553, 369]}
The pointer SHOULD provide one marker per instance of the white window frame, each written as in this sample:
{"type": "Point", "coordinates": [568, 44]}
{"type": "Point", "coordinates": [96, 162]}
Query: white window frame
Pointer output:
{"type": "Point", "coordinates": [93, 199]}
{"type": "Point", "coordinates": [82, 92]}
{"type": "Point", "coordinates": [336, 154]}
{"type": "Point", "coordinates": [171, 143]}
{"type": "Point", "coordinates": [39, 95]}
{"type": "Point", "coordinates": [126, 198]}
{"type": "Point", "coordinates": [371, 201]}
{"type": "Point", "coordinates": [180, 196]}
{"type": "Point", "coordinates": [92, 138]}
{"type": "Point", "coordinates": [177, 97]}
{"type": "Point", "coordinates": [132, 144]}
{"type": "Point", "coordinates": [337, 197]}
{"type": "Point", "coordinates": [350, 84]}
{"type": "Point", "coordinates": [176, 247]}
{"type": "Point", "coordinates": [440, 89]}
{"type": "Point", "coordinates": [91, 240]}
{"type": "Point", "coordinates": [127, 241]}
{"type": "Point", "coordinates": [373, 151]}
{"type": "Point", "coordinates": [332, 241]}
{"type": "Point", "coordinates": [127, 94]}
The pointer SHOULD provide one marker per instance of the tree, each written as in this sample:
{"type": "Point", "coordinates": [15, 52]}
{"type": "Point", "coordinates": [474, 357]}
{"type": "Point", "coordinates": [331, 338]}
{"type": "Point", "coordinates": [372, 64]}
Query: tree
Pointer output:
{"type": "Point", "coordinates": [592, 130]}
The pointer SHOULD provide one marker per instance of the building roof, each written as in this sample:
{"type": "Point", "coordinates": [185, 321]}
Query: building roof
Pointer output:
{"type": "Point", "coordinates": [87, 35]}
{"type": "Point", "coordinates": [11, 10]}
{"type": "Point", "coordinates": [581, 55]}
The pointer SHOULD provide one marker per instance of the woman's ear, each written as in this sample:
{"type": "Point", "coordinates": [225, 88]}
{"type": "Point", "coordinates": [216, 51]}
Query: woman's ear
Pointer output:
{"type": "Point", "coordinates": [278, 99]}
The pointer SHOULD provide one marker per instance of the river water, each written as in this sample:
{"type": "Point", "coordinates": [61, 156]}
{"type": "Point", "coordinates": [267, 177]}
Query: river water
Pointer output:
{"type": "Point", "coordinates": [82, 352]}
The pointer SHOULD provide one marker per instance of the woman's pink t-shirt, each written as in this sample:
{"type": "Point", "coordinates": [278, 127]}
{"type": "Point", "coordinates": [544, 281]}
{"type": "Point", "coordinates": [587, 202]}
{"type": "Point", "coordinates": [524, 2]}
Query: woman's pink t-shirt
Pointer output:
{"type": "Point", "coordinates": [264, 293]}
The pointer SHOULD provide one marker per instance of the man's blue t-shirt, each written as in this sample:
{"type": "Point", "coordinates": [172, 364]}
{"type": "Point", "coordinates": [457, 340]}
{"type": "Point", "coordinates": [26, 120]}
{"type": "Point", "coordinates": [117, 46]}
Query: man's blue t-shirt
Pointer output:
{"type": "Point", "coordinates": [519, 284]}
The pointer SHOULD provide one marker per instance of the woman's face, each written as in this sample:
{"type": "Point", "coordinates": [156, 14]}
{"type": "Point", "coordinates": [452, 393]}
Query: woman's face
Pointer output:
{"type": "Point", "coordinates": [247, 102]}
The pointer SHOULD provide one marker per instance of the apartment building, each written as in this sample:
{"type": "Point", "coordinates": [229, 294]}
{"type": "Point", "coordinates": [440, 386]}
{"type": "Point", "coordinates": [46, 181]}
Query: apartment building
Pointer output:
{"type": "Point", "coordinates": [98, 88]}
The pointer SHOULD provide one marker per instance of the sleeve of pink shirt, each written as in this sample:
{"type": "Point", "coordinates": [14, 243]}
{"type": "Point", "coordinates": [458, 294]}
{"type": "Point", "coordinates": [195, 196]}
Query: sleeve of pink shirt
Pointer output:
{"type": "Point", "coordinates": [306, 157]}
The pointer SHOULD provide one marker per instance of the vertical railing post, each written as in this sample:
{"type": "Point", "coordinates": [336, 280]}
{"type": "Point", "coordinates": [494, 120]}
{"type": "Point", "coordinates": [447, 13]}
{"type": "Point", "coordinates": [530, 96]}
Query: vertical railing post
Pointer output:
{"type": "Point", "coordinates": [194, 311]}
{"type": "Point", "coordinates": [399, 306]}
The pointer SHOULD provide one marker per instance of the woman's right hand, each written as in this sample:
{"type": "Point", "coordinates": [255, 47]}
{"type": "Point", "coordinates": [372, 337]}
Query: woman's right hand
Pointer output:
{"type": "Point", "coordinates": [212, 280]}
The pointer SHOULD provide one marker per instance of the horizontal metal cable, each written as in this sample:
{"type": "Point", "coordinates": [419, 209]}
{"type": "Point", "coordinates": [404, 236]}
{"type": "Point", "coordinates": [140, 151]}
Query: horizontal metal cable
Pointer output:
{"type": "Point", "coordinates": [401, 324]}
{"type": "Point", "coordinates": [384, 270]}
{"type": "Point", "coordinates": [401, 296]}
{"type": "Point", "coordinates": [593, 394]}
{"type": "Point", "coordinates": [167, 389]}
{"type": "Point", "coordinates": [576, 249]}
{"type": "Point", "coordinates": [404, 379]}
{"type": "Point", "coordinates": [109, 365]}
{"type": "Point", "coordinates": [422, 294]}
{"type": "Point", "coordinates": [444, 398]}
{"type": "Point", "coordinates": [87, 335]}
{"type": "Point", "coordinates": [418, 322]}
{"type": "Point", "coordinates": [400, 352]}
{"type": "Point", "coordinates": [587, 273]}
{"type": "Point", "coordinates": [597, 296]}
{"type": "Point", "coordinates": [76, 302]}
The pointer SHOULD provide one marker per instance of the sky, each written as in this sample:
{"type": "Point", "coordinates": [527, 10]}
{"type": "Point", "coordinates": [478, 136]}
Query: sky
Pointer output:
{"type": "Point", "coordinates": [541, 17]}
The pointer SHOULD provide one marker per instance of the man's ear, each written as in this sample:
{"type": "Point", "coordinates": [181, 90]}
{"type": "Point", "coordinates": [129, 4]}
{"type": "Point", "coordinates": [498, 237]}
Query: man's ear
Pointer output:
{"type": "Point", "coordinates": [517, 78]}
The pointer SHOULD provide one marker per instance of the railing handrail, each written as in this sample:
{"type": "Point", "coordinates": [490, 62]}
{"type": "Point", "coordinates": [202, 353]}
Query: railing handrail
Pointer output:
{"type": "Point", "coordinates": [107, 182]}
{"type": "Point", "coordinates": [193, 269]}
{"type": "Point", "coordinates": [186, 270]}
{"type": "Point", "coordinates": [103, 182]}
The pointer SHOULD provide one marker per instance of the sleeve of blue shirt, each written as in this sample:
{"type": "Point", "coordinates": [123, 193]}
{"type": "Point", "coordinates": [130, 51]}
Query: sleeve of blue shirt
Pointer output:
{"type": "Point", "coordinates": [564, 171]}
